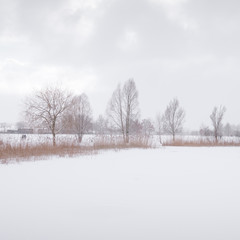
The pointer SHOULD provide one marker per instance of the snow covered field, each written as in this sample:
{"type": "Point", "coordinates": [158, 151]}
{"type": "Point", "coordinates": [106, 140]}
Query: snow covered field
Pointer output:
{"type": "Point", "coordinates": [167, 193]}
{"type": "Point", "coordinates": [33, 139]}
{"type": "Point", "coordinates": [89, 139]}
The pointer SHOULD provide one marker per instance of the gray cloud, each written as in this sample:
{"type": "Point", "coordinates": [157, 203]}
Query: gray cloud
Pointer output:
{"type": "Point", "coordinates": [182, 48]}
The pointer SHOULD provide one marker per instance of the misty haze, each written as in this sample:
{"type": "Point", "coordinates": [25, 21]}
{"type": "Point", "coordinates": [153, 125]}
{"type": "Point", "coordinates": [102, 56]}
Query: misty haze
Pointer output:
{"type": "Point", "coordinates": [119, 119]}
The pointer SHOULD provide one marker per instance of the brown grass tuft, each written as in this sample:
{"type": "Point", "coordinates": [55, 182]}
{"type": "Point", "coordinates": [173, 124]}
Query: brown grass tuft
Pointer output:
{"type": "Point", "coordinates": [201, 143]}
{"type": "Point", "coordinates": [116, 142]}
{"type": "Point", "coordinates": [25, 151]}
{"type": "Point", "coordinates": [22, 152]}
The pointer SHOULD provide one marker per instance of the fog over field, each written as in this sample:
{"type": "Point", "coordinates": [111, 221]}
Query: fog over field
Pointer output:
{"type": "Point", "coordinates": [120, 120]}
{"type": "Point", "coordinates": [172, 48]}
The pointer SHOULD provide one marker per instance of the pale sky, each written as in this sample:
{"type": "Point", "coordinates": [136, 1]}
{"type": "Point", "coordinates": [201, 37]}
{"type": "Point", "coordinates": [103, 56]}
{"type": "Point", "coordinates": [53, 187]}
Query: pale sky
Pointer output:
{"type": "Point", "coordinates": [187, 49]}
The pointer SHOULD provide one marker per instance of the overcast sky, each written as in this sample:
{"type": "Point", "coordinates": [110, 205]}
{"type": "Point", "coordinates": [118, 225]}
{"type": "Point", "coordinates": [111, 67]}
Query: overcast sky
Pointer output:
{"type": "Point", "coordinates": [187, 49]}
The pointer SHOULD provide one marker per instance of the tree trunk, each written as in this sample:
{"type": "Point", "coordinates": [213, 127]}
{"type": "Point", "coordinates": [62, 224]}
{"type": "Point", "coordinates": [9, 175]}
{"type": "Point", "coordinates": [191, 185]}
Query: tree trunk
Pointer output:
{"type": "Point", "coordinates": [216, 135]}
{"type": "Point", "coordinates": [173, 137]}
{"type": "Point", "coordinates": [122, 126]}
{"type": "Point", "coordinates": [80, 138]}
{"type": "Point", "coordinates": [53, 132]}
{"type": "Point", "coordinates": [123, 134]}
{"type": "Point", "coordinates": [54, 139]}
{"type": "Point", "coordinates": [127, 131]}
{"type": "Point", "coordinates": [160, 139]}
{"type": "Point", "coordinates": [127, 124]}
{"type": "Point", "coordinates": [127, 137]}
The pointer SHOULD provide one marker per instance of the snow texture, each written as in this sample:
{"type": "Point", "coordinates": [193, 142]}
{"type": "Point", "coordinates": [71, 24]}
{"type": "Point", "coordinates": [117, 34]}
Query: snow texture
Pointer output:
{"type": "Point", "coordinates": [167, 193]}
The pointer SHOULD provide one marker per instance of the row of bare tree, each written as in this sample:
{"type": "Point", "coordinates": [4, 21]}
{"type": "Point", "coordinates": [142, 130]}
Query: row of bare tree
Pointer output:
{"type": "Point", "coordinates": [58, 110]}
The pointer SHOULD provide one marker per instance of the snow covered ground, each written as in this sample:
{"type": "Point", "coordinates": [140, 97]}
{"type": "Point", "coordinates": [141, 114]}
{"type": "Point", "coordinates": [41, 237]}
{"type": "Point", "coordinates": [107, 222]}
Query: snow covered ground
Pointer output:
{"type": "Point", "coordinates": [166, 193]}
{"type": "Point", "coordinates": [33, 139]}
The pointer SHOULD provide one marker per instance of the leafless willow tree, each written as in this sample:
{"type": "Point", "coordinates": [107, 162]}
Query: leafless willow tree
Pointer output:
{"type": "Point", "coordinates": [173, 118]}
{"type": "Point", "coordinates": [78, 118]}
{"type": "Point", "coordinates": [45, 108]}
{"type": "Point", "coordinates": [216, 118]}
{"type": "Point", "coordinates": [123, 108]}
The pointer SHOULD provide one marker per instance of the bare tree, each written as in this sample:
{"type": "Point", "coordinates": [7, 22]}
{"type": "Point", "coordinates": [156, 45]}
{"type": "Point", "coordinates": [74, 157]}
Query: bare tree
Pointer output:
{"type": "Point", "coordinates": [160, 126]}
{"type": "Point", "coordinates": [3, 126]}
{"type": "Point", "coordinates": [101, 125]}
{"type": "Point", "coordinates": [205, 131]}
{"type": "Point", "coordinates": [115, 111]}
{"type": "Point", "coordinates": [45, 108]}
{"type": "Point", "coordinates": [130, 100]}
{"type": "Point", "coordinates": [173, 118]}
{"type": "Point", "coordinates": [123, 108]}
{"type": "Point", "coordinates": [227, 130]}
{"type": "Point", "coordinates": [216, 118]}
{"type": "Point", "coordinates": [147, 127]}
{"type": "Point", "coordinates": [136, 127]}
{"type": "Point", "coordinates": [79, 116]}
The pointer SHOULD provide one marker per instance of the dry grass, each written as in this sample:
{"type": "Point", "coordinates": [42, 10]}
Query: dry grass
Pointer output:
{"type": "Point", "coordinates": [25, 151]}
{"type": "Point", "coordinates": [201, 143]}
{"type": "Point", "coordinates": [115, 142]}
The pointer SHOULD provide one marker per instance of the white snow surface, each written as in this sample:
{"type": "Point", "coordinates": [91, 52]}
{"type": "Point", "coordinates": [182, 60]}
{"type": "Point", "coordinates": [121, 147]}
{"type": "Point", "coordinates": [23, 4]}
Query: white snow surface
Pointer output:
{"type": "Point", "coordinates": [166, 193]}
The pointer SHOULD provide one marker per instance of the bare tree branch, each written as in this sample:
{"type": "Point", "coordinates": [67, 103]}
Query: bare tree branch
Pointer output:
{"type": "Point", "coordinates": [216, 118]}
{"type": "Point", "coordinates": [79, 116]}
{"type": "Point", "coordinates": [173, 118]}
{"type": "Point", "coordinates": [123, 108]}
{"type": "Point", "coordinates": [45, 108]}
